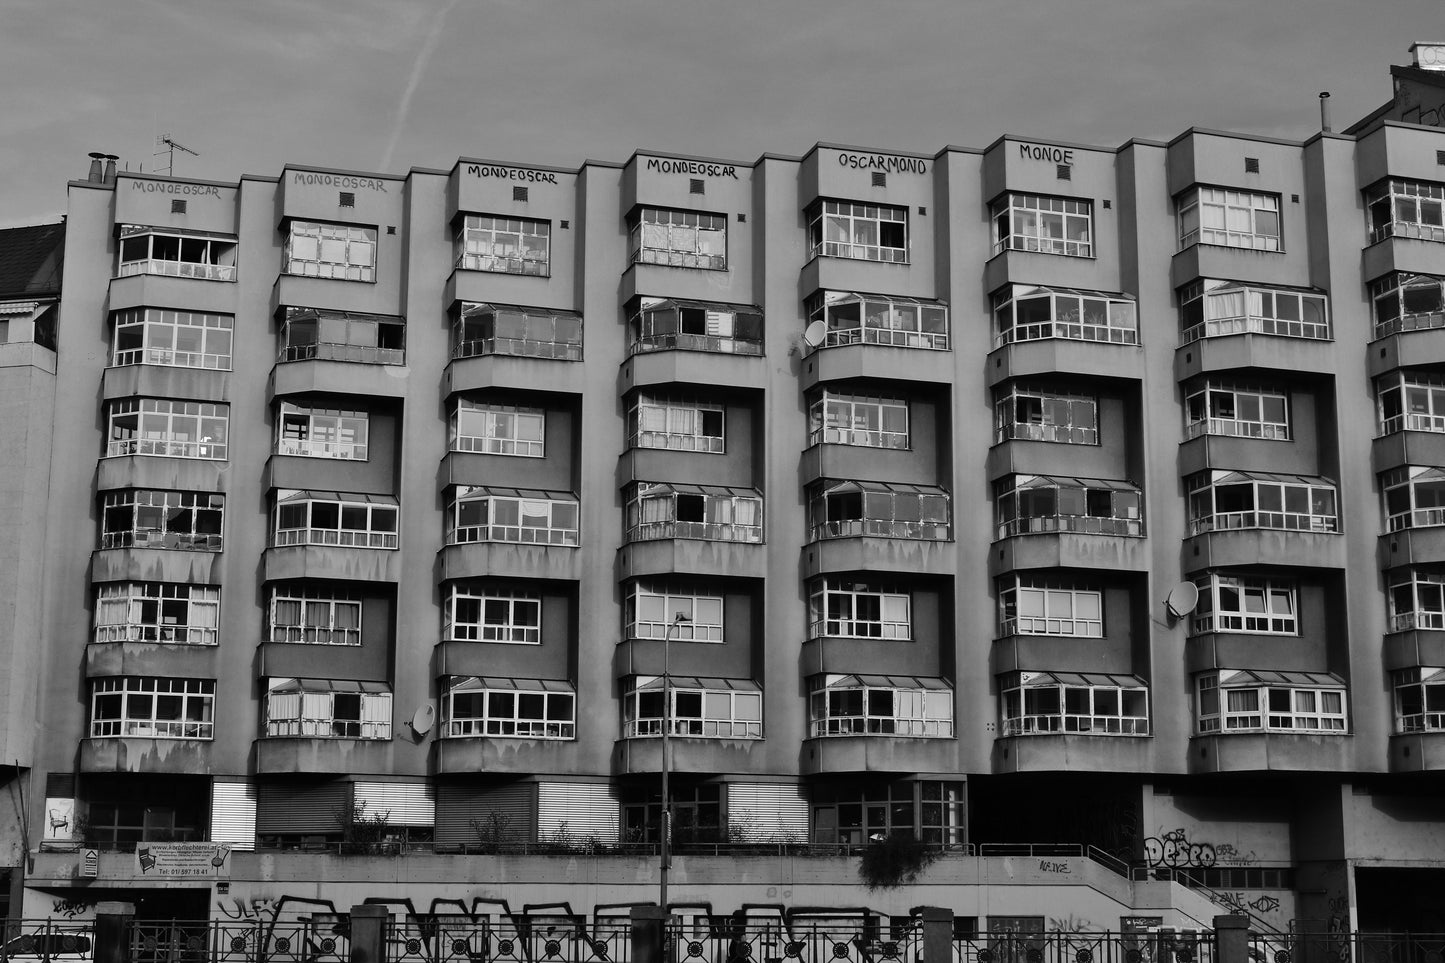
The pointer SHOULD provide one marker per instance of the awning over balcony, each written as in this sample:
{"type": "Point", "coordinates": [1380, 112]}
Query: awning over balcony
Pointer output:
{"type": "Point", "coordinates": [497, 684]}
{"type": "Point", "coordinates": [838, 487]}
{"type": "Point", "coordinates": [644, 489]}
{"type": "Point", "coordinates": [278, 686]}
{"type": "Point", "coordinates": [1230, 477]}
{"type": "Point", "coordinates": [1249, 678]}
{"type": "Point", "coordinates": [488, 491]}
{"type": "Point", "coordinates": [663, 304]}
{"type": "Point", "coordinates": [1031, 680]}
{"type": "Point", "coordinates": [1063, 481]}
{"type": "Point", "coordinates": [291, 495]}
{"type": "Point", "coordinates": [856, 681]}
{"type": "Point", "coordinates": [644, 683]}
{"type": "Point", "coordinates": [1034, 292]}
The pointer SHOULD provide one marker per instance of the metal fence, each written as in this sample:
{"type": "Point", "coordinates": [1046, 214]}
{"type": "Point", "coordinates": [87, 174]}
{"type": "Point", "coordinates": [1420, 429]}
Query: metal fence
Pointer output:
{"type": "Point", "coordinates": [1085, 948]}
{"type": "Point", "coordinates": [1342, 947]}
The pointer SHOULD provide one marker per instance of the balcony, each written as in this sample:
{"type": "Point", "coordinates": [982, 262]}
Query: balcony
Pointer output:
{"type": "Point", "coordinates": [138, 752]}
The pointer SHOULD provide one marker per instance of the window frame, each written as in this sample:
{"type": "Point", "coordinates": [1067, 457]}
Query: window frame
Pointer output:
{"type": "Point", "coordinates": [1265, 714]}
{"type": "Point", "coordinates": [323, 236]}
{"type": "Point", "coordinates": [481, 244]}
{"type": "Point", "coordinates": [704, 613]}
{"type": "Point", "coordinates": [552, 724]}
{"type": "Point", "coordinates": [1413, 480]}
{"type": "Point", "coordinates": [483, 328]}
{"type": "Point", "coordinates": [842, 228]}
{"type": "Point", "coordinates": [844, 508]}
{"type": "Point", "coordinates": [1020, 502]}
{"type": "Point", "coordinates": [1051, 701]}
{"type": "Point", "coordinates": [1192, 203]}
{"type": "Point", "coordinates": [499, 430]}
{"type": "Point", "coordinates": [824, 623]}
{"type": "Point", "coordinates": [129, 693]}
{"type": "Point", "coordinates": [305, 421]}
{"type": "Point", "coordinates": [1115, 317]}
{"type": "Point", "coordinates": [167, 427]}
{"type": "Point", "coordinates": [666, 242]}
{"type": "Point", "coordinates": [1410, 399]}
{"type": "Point", "coordinates": [678, 324]}
{"type": "Point", "coordinates": [840, 706]}
{"type": "Point", "coordinates": [1014, 420]}
{"type": "Point", "coordinates": [375, 535]}
{"type": "Point", "coordinates": [652, 511]}
{"type": "Point", "coordinates": [1204, 311]}
{"type": "Point", "coordinates": [320, 713]}
{"type": "Point", "coordinates": [156, 612]}
{"type": "Point", "coordinates": [1275, 610]}
{"type": "Point", "coordinates": [852, 317]}
{"type": "Point", "coordinates": [213, 256]}
{"type": "Point", "coordinates": [674, 433]}
{"type": "Point", "coordinates": [1034, 210]}
{"type": "Point", "coordinates": [1319, 513]}
{"type": "Point", "coordinates": [365, 338]}
{"type": "Point", "coordinates": [644, 712]}
{"type": "Point", "coordinates": [834, 419]}
{"type": "Point", "coordinates": [1204, 413]}
{"type": "Point", "coordinates": [207, 329]}
{"type": "Point", "coordinates": [161, 511]}
{"type": "Point", "coordinates": [1051, 592]}
{"type": "Point", "coordinates": [467, 500]}
{"type": "Point", "coordinates": [1405, 207]}
{"type": "Point", "coordinates": [310, 599]}
{"type": "Point", "coordinates": [1395, 309]}
{"type": "Point", "coordinates": [489, 599]}
{"type": "Point", "coordinates": [1425, 712]}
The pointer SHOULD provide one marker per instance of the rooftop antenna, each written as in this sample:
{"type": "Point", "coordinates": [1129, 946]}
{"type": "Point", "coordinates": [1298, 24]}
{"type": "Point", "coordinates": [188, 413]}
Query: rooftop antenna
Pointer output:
{"type": "Point", "coordinates": [169, 151]}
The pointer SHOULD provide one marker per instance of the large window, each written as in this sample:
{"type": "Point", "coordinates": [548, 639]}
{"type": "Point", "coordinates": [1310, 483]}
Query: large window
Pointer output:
{"type": "Point", "coordinates": [165, 426]}
{"type": "Point", "coordinates": [333, 518]}
{"type": "Point", "coordinates": [1405, 208]}
{"type": "Point", "coordinates": [508, 329]}
{"type": "Point", "coordinates": [345, 252]}
{"type": "Point", "coordinates": [1255, 700]}
{"type": "Point", "coordinates": [314, 615]}
{"type": "Point", "coordinates": [1411, 400]}
{"type": "Point", "coordinates": [181, 339]}
{"type": "Point", "coordinates": [1036, 413]}
{"type": "Point", "coordinates": [662, 324]}
{"type": "Point", "coordinates": [319, 334]}
{"type": "Point", "coordinates": [1048, 225]}
{"type": "Point", "coordinates": [871, 705]}
{"type": "Point", "coordinates": [853, 811]}
{"type": "Point", "coordinates": [690, 239]}
{"type": "Point", "coordinates": [147, 707]}
{"type": "Point", "coordinates": [509, 245]}
{"type": "Point", "coordinates": [1419, 699]}
{"type": "Point", "coordinates": [1047, 605]}
{"type": "Point", "coordinates": [1246, 603]}
{"type": "Point", "coordinates": [496, 429]}
{"type": "Point", "coordinates": [1031, 504]}
{"type": "Point", "coordinates": [1216, 215]}
{"type": "Point", "coordinates": [1417, 599]}
{"type": "Point", "coordinates": [1407, 302]}
{"type": "Point", "coordinates": [1214, 309]}
{"type": "Point", "coordinates": [708, 512]}
{"type": "Point", "coordinates": [652, 611]}
{"type": "Point", "coordinates": [483, 514]}
{"type": "Point", "coordinates": [849, 609]}
{"type": "Point", "coordinates": [675, 424]}
{"type": "Point", "coordinates": [892, 321]}
{"type": "Point", "coordinates": [1025, 312]}
{"type": "Point", "coordinates": [1414, 497]}
{"type": "Point", "coordinates": [1047, 703]}
{"type": "Point", "coordinates": [321, 432]}
{"type": "Point", "coordinates": [863, 232]}
{"type": "Point", "coordinates": [176, 253]}
{"type": "Point", "coordinates": [867, 421]}
{"type": "Point", "coordinates": [1241, 411]}
{"type": "Point", "coordinates": [168, 612]}
{"type": "Point", "coordinates": [491, 613]}
{"type": "Point", "coordinates": [840, 509]}
{"type": "Point", "coordinates": [1229, 500]}
{"type": "Point", "coordinates": [701, 708]}
{"type": "Point", "coordinates": [144, 518]}
{"type": "Point", "coordinates": [328, 709]}
{"type": "Point", "coordinates": [508, 708]}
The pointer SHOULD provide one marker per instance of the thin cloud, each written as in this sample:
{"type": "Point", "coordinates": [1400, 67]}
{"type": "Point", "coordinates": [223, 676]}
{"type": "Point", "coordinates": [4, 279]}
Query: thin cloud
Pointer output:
{"type": "Point", "coordinates": [418, 69]}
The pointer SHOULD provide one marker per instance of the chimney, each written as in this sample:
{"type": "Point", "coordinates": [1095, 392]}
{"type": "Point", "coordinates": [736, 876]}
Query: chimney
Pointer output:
{"type": "Point", "coordinates": [1429, 56]}
{"type": "Point", "coordinates": [1325, 111]}
{"type": "Point", "coordinates": [95, 158]}
{"type": "Point", "coordinates": [110, 160]}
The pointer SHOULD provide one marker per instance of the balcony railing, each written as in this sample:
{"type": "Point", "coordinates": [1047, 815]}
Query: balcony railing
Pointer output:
{"type": "Point", "coordinates": [1081, 524]}
{"type": "Point", "coordinates": [706, 531]}
{"type": "Point", "coordinates": [1222, 327]}
{"type": "Point", "coordinates": [1259, 518]}
{"type": "Point", "coordinates": [332, 351]}
{"type": "Point", "coordinates": [328, 728]}
{"type": "Point", "coordinates": [696, 342]}
{"type": "Point", "coordinates": [179, 269]}
{"type": "Point", "coordinates": [1053, 723]}
{"type": "Point", "coordinates": [1410, 322]}
{"type": "Point", "coordinates": [1069, 331]}
{"type": "Point", "coordinates": [321, 449]}
{"type": "Point", "coordinates": [520, 348]}
{"type": "Point", "coordinates": [331, 536]}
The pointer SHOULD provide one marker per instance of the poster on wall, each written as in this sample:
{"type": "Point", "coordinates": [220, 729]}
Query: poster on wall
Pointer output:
{"type": "Point", "coordinates": [183, 860]}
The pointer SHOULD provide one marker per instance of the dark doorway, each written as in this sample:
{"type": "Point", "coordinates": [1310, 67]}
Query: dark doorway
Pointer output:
{"type": "Point", "coordinates": [1393, 900]}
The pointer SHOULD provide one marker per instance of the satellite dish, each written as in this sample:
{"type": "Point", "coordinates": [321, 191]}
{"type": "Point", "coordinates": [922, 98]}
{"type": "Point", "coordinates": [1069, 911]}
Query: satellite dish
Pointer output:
{"type": "Point", "coordinates": [814, 334]}
{"type": "Point", "coordinates": [1181, 599]}
{"type": "Point", "coordinates": [421, 722]}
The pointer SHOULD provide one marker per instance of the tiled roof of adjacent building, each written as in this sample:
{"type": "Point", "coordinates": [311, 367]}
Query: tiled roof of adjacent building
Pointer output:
{"type": "Point", "coordinates": [30, 259]}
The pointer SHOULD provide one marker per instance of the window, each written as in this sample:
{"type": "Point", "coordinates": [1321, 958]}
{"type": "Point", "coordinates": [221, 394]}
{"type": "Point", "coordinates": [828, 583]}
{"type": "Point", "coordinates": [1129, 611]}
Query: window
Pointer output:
{"type": "Point", "coordinates": [694, 813]}
{"type": "Point", "coordinates": [1047, 225]}
{"type": "Point", "coordinates": [1216, 215]}
{"type": "Point", "coordinates": [181, 339]}
{"type": "Point", "coordinates": [870, 705]}
{"type": "Point", "coordinates": [1041, 605]}
{"type": "Point", "coordinates": [898, 322]}
{"type": "Point", "coordinates": [689, 239]}
{"type": "Point", "coordinates": [491, 613]}
{"type": "Point", "coordinates": [1249, 700]}
{"type": "Point", "coordinates": [652, 608]}
{"type": "Point", "coordinates": [163, 426]}
{"type": "Point", "coordinates": [1230, 500]}
{"type": "Point", "coordinates": [495, 429]}
{"type": "Point", "coordinates": [840, 509]}
{"type": "Point", "coordinates": [321, 432]}
{"type": "Point", "coordinates": [328, 709]}
{"type": "Point", "coordinates": [1023, 312]}
{"type": "Point", "coordinates": [1047, 703]}
{"type": "Point", "coordinates": [508, 245]}
{"type": "Point", "coordinates": [1407, 302]}
{"type": "Point", "coordinates": [701, 708]}
{"type": "Point", "coordinates": [1214, 309]}
{"type": "Point", "coordinates": [480, 514]}
{"type": "Point", "coordinates": [1035, 413]}
{"type": "Point", "coordinates": [153, 708]}
{"type": "Point", "coordinates": [1249, 604]}
{"type": "Point", "coordinates": [708, 512]}
{"type": "Point", "coordinates": [143, 518]}
{"type": "Point", "coordinates": [176, 253]}
{"type": "Point", "coordinates": [1034, 504]}
{"type": "Point", "coordinates": [867, 421]}
{"type": "Point", "coordinates": [317, 334]}
{"type": "Point", "coordinates": [1417, 599]}
{"type": "Point", "coordinates": [1414, 497]}
{"type": "Point", "coordinates": [1223, 408]}
{"type": "Point", "coordinates": [1411, 401]}
{"type": "Point", "coordinates": [314, 615]}
{"type": "Point", "coordinates": [333, 518]}
{"type": "Point", "coordinates": [863, 232]}
{"type": "Point", "coordinates": [505, 329]}
{"type": "Point", "coordinates": [664, 324]}
{"type": "Point", "coordinates": [1419, 699]}
{"type": "Point", "coordinates": [671, 423]}
{"type": "Point", "coordinates": [853, 811]}
{"type": "Point", "coordinates": [847, 609]}
{"type": "Point", "coordinates": [509, 708]}
{"type": "Point", "coordinates": [1405, 208]}
{"type": "Point", "coordinates": [343, 252]}
{"type": "Point", "coordinates": [166, 612]}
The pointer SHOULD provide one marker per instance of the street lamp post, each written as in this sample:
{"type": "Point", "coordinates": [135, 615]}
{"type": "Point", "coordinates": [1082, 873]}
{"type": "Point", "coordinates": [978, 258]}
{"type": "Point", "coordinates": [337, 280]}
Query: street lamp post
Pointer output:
{"type": "Point", "coordinates": [664, 851]}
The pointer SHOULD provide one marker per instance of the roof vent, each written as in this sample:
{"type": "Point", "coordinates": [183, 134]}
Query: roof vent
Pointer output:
{"type": "Point", "coordinates": [95, 158]}
{"type": "Point", "coordinates": [1429, 56]}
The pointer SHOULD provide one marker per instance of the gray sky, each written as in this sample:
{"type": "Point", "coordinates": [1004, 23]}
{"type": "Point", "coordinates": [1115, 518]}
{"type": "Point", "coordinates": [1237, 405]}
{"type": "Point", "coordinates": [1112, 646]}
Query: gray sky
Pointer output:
{"type": "Point", "coordinates": [384, 85]}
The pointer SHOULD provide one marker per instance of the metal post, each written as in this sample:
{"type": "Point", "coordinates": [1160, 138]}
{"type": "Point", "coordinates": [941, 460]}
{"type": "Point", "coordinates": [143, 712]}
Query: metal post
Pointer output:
{"type": "Point", "coordinates": [664, 851]}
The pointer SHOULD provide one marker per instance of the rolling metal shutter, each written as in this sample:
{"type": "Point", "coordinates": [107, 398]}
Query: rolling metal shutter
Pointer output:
{"type": "Point", "coordinates": [302, 807]}
{"type": "Point", "coordinates": [767, 812]}
{"type": "Point", "coordinates": [468, 815]}
{"type": "Point", "coordinates": [577, 811]}
{"type": "Point", "coordinates": [233, 814]}
{"type": "Point", "coordinates": [405, 803]}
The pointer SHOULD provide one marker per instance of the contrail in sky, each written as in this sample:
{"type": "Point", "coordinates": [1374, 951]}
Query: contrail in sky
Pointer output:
{"type": "Point", "coordinates": [423, 57]}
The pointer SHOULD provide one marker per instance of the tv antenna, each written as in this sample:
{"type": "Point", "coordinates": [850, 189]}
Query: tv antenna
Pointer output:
{"type": "Point", "coordinates": [169, 148]}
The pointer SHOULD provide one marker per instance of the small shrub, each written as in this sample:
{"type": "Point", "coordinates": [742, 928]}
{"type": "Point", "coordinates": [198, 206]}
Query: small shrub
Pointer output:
{"type": "Point", "coordinates": [891, 861]}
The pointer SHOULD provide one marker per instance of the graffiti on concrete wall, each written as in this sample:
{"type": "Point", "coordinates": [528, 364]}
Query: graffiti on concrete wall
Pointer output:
{"type": "Point", "coordinates": [72, 908]}
{"type": "Point", "coordinates": [1175, 850]}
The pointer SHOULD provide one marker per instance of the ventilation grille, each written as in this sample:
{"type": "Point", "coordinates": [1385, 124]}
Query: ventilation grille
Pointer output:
{"type": "Point", "coordinates": [519, 194]}
{"type": "Point", "coordinates": [1065, 172]}
{"type": "Point", "coordinates": [178, 206]}
{"type": "Point", "coordinates": [696, 185]}
{"type": "Point", "coordinates": [742, 218]}
{"type": "Point", "coordinates": [880, 179]}
{"type": "Point", "coordinates": [566, 225]}
{"type": "Point", "coordinates": [1251, 165]}
{"type": "Point", "coordinates": [348, 199]}
{"type": "Point", "coordinates": [1108, 204]}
